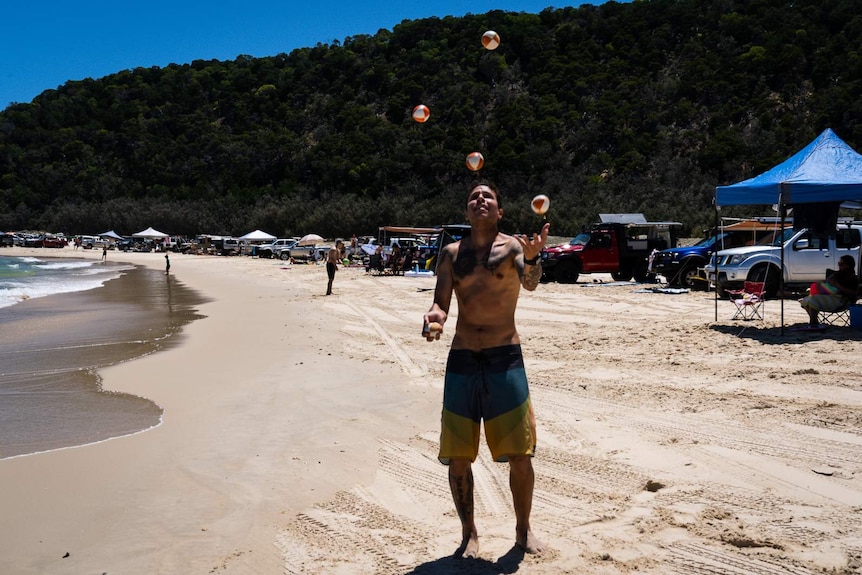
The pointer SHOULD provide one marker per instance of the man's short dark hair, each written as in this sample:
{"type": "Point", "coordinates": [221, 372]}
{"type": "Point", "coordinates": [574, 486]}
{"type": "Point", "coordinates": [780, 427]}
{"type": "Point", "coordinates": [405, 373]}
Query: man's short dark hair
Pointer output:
{"type": "Point", "coordinates": [491, 186]}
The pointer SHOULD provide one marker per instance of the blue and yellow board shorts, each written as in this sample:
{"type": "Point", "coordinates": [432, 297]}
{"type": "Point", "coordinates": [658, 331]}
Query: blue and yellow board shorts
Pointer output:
{"type": "Point", "coordinates": [489, 385]}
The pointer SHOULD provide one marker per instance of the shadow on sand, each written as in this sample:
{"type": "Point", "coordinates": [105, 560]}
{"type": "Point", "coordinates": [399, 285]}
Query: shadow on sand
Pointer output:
{"type": "Point", "coordinates": [454, 565]}
{"type": "Point", "coordinates": [792, 333]}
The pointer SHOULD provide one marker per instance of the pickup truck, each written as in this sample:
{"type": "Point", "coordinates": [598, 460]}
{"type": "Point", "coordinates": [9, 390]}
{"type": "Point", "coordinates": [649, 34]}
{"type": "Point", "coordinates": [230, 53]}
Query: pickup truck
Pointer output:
{"type": "Point", "coordinates": [620, 245]}
{"type": "Point", "coordinates": [807, 256]}
{"type": "Point", "coordinates": [279, 249]}
{"type": "Point", "coordinates": [681, 266]}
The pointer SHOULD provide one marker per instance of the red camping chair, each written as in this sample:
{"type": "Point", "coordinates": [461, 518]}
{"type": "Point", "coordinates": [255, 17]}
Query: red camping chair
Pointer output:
{"type": "Point", "coordinates": [749, 300]}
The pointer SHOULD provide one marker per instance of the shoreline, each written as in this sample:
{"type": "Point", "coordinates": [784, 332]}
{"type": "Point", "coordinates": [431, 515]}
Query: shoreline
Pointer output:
{"type": "Point", "coordinates": [54, 347]}
{"type": "Point", "coordinates": [300, 436]}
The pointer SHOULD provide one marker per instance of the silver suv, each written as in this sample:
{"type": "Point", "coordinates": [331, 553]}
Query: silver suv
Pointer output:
{"type": "Point", "coordinates": [279, 248]}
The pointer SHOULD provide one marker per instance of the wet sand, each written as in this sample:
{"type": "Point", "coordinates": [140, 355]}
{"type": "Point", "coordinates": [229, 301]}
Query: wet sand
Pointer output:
{"type": "Point", "coordinates": [52, 348]}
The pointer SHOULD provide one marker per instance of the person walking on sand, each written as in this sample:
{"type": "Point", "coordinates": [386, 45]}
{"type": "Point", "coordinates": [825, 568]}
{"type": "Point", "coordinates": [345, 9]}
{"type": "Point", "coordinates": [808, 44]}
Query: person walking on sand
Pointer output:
{"type": "Point", "coordinates": [104, 253]}
{"type": "Point", "coordinates": [332, 259]}
{"type": "Point", "coordinates": [167, 264]}
{"type": "Point", "coordinates": [485, 377]}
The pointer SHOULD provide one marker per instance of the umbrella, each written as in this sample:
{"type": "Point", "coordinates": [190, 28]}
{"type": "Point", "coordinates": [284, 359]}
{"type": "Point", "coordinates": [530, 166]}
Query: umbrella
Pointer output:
{"type": "Point", "coordinates": [111, 234]}
{"type": "Point", "coordinates": [309, 240]}
{"type": "Point", "coordinates": [150, 233]}
{"type": "Point", "coordinates": [257, 236]}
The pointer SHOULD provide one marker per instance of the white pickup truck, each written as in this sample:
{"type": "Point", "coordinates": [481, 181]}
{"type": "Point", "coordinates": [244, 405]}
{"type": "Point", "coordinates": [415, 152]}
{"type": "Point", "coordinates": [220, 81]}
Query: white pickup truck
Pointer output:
{"type": "Point", "coordinates": [807, 256]}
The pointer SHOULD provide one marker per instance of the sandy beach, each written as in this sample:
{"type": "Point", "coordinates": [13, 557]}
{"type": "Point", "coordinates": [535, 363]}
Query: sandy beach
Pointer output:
{"type": "Point", "coordinates": [300, 436]}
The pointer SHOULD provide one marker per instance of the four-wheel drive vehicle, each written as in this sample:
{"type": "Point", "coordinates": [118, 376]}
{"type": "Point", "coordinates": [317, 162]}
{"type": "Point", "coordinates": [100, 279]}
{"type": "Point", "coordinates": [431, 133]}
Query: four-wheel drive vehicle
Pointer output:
{"type": "Point", "coordinates": [681, 265]}
{"type": "Point", "coordinates": [620, 245]}
{"type": "Point", "coordinates": [49, 241]}
{"type": "Point", "coordinates": [807, 256]}
{"type": "Point", "coordinates": [279, 248]}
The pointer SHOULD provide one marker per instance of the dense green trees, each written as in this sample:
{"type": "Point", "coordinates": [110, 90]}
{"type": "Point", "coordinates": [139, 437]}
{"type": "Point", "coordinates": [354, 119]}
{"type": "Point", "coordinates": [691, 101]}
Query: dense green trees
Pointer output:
{"type": "Point", "coordinates": [636, 107]}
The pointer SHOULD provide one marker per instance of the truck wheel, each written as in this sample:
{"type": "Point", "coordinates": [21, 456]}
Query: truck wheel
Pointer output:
{"type": "Point", "coordinates": [687, 275]}
{"type": "Point", "coordinates": [770, 276]}
{"type": "Point", "coordinates": [567, 272]}
{"type": "Point", "coordinates": [285, 255]}
{"type": "Point", "coordinates": [643, 275]}
{"type": "Point", "coordinates": [622, 275]}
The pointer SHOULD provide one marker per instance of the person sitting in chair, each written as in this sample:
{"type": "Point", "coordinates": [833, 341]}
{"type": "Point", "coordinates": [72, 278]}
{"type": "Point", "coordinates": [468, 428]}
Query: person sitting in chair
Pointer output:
{"type": "Point", "coordinates": [375, 261]}
{"type": "Point", "coordinates": [840, 288]}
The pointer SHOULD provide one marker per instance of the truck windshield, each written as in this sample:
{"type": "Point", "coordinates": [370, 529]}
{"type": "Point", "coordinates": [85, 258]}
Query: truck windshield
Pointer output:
{"type": "Point", "coordinates": [580, 240]}
{"type": "Point", "coordinates": [777, 239]}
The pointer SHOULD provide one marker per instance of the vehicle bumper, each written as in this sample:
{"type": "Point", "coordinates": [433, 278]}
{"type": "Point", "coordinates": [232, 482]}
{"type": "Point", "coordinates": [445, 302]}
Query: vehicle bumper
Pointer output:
{"type": "Point", "coordinates": [724, 280]}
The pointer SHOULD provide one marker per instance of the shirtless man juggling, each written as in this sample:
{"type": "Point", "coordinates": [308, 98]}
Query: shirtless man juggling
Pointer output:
{"type": "Point", "coordinates": [485, 378]}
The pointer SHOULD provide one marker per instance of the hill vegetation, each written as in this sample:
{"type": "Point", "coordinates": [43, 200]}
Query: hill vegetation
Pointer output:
{"type": "Point", "coordinates": [635, 107]}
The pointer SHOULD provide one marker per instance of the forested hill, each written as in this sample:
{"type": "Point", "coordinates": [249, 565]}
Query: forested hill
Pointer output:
{"type": "Point", "coordinates": [635, 107]}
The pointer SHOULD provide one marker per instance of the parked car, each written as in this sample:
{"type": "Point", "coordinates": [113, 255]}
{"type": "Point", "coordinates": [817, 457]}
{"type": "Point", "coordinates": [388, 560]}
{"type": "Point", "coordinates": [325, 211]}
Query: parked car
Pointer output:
{"type": "Point", "coordinates": [33, 241]}
{"type": "Point", "coordinates": [279, 248]}
{"type": "Point", "coordinates": [53, 242]}
{"type": "Point", "coordinates": [806, 257]}
{"type": "Point", "coordinates": [682, 265]}
{"type": "Point", "coordinates": [7, 240]}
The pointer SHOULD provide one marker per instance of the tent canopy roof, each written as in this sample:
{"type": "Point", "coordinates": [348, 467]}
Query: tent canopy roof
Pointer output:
{"type": "Point", "coordinates": [257, 235]}
{"type": "Point", "coordinates": [111, 234]}
{"type": "Point", "coordinates": [825, 171]}
{"type": "Point", "coordinates": [150, 233]}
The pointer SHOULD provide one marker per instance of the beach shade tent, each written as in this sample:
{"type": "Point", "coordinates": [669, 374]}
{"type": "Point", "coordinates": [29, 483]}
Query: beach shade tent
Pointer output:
{"type": "Point", "coordinates": [309, 240]}
{"type": "Point", "coordinates": [257, 236]}
{"type": "Point", "coordinates": [814, 182]}
{"type": "Point", "coordinates": [111, 234]}
{"type": "Point", "coordinates": [151, 234]}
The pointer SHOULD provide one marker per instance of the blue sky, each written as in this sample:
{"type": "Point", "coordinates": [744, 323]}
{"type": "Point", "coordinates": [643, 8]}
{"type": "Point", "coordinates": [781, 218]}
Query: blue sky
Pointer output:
{"type": "Point", "coordinates": [45, 44]}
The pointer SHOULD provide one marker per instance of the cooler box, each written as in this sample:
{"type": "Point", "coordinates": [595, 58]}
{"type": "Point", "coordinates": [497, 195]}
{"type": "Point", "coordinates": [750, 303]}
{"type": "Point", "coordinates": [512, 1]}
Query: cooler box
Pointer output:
{"type": "Point", "coordinates": [856, 316]}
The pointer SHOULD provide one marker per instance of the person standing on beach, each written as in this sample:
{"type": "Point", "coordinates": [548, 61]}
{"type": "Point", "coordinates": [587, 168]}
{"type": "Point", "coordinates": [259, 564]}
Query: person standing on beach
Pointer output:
{"type": "Point", "coordinates": [104, 253]}
{"type": "Point", "coordinates": [167, 264]}
{"type": "Point", "coordinates": [485, 377]}
{"type": "Point", "coordinates": [332, 259]}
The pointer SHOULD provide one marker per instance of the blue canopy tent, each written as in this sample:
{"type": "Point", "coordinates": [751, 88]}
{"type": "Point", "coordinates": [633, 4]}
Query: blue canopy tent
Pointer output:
{"type": "Point", "coordinates": [815, 181]}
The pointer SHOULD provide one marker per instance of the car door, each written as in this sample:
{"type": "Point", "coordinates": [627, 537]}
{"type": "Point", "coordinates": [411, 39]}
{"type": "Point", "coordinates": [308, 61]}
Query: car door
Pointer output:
{"type": "Point", "coordinates": [812, 253]}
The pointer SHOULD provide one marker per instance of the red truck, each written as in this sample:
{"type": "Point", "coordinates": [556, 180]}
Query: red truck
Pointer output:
{"type": "Point", "coordinates": [620, 245]}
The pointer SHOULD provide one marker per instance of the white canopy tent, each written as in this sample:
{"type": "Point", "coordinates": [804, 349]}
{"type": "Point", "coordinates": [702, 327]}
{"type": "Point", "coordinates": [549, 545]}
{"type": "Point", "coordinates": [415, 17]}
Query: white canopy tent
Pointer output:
{"type": "Point", "coordinates": [151, 234]}
{"type": "Point", "coordinates": [257, 236]}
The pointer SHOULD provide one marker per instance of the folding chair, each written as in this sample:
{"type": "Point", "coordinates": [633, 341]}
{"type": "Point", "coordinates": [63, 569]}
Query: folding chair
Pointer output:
{"type": "Point", "coordinates": [748, 301]}
{"type": "Point", "coordinates": [838, 317]}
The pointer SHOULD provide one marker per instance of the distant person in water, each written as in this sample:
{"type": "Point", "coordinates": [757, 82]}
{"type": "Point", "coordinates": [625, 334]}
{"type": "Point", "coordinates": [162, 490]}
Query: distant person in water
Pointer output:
{"type": "Point", "coordinates": [167, 264]}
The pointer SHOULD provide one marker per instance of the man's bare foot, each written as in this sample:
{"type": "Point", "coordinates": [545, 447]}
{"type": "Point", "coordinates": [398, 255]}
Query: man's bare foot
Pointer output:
{"type": "Point", "coordinates": [529, 543]}
{"type": "Point", "coordinates": [469, 548]}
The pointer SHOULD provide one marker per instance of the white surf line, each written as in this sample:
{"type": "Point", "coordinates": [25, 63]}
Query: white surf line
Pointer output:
{"type": "Point", "coordinates": [412, 368]}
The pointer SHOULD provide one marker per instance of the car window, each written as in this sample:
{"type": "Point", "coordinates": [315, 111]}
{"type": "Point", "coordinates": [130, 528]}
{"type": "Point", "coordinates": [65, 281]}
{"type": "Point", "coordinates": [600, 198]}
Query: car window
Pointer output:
{"type": "Point", "coordinates": [848, 238]}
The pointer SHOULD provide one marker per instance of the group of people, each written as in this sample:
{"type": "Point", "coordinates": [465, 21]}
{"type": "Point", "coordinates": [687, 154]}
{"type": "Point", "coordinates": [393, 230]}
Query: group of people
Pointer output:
{"type": "Point", "coordinates": [396, 262]}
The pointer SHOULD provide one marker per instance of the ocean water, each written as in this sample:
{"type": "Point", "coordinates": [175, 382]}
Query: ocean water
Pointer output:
{"type": "Point", "coordinates": [25, 278]}
{"type": "Point", "coordinates": [60, 321]}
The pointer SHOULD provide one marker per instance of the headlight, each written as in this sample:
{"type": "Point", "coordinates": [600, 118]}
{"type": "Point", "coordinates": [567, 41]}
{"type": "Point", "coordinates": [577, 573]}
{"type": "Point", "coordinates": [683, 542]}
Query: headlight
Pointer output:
{"type": "Point", "coordinates": [737, 259]}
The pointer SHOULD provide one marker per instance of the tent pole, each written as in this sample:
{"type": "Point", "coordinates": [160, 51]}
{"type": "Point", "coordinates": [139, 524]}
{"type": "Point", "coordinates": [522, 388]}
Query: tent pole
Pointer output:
{"type": "Point", "coordinates": [715, 251]}
{"type": "Point", "coordinates": [783, 212]}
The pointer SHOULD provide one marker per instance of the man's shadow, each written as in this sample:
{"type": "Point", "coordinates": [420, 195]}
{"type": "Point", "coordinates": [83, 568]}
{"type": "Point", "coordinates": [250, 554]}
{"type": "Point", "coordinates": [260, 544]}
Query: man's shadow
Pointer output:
{"type": "Point", "coordinates": [454, 565]}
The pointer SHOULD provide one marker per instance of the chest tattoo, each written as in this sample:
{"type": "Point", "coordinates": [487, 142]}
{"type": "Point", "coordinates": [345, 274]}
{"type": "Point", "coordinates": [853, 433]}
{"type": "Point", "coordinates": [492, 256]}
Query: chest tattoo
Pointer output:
{"type": "Point", "coordinates": [468, 260]}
